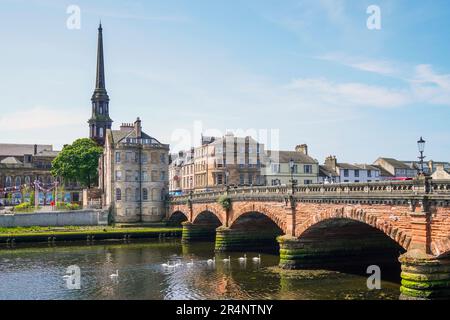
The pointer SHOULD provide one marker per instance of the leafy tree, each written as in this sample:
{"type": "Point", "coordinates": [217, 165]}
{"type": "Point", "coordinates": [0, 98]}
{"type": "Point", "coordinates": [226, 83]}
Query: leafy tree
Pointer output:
{"type": "Point", "coordinates": [78, 162]}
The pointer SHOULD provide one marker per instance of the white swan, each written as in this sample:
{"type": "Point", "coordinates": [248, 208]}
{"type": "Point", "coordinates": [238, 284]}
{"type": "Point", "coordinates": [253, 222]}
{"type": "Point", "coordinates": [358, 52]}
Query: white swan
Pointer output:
{"type": "Point", "coordinates": [114, 275]}
{"type": "Point", "coordinates": [190, 264]}
{"type": "Point", "coordinates": [211, 261]}
{"type": "Point", "coordinates": [243, 259]}
{"type": "Point", "coordinates": [257, 259]}
{"type": "Point", "coordinates": [165, 265]}
{"type": "Point", "coordinates": [227, 260]}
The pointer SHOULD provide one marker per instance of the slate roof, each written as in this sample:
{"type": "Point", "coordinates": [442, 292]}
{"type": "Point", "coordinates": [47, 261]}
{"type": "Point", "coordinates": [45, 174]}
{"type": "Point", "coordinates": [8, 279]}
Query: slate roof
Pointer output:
{"type": "Point", "coordinates": [19, 150]}
{"type": "Point", "coordinates": [286, 156]}
{"type": "Point", "coordinates": [325, 171]}
{"type": "Point", "coordinates": [119, 135]}
{"type": "Point", "coordinates": [396, 164]}
{"type": "Point", "coordinates": [383, 172]}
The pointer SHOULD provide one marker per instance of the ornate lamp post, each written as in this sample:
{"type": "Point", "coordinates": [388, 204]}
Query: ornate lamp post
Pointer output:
{"type": "Point", "coordinates": [291, 166]}
{"type": "Point", "coordinates": [421, 145]}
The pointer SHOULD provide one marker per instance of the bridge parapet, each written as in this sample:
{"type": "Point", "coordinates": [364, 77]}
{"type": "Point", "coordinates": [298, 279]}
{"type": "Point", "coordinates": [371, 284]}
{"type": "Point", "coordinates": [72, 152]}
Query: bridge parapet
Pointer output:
{"type": "Point", "coordinates": [438, 190]}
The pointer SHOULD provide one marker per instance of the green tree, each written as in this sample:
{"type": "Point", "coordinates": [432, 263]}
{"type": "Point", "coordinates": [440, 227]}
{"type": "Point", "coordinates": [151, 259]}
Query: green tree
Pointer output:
{"type": "Point", "coordinates": [78, 162]}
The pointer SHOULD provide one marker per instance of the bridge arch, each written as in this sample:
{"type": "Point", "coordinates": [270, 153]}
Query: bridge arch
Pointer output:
{"type": "Point", "coordinates": [400, 236]}
{"type": "Point", "coordinates": [177, 217]}
{"type": "Point", "coordinates": [207, 217]}
{"type": "Point", "coordinates": [274, 214]}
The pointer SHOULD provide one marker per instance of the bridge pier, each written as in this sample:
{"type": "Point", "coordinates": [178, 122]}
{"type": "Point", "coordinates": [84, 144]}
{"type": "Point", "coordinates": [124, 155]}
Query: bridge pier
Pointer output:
{"type": "Point", "coordinates": [424, 277]}
{"type": "Point", "coordinates": [228, 239]}
{"type": "Point", "coordinates": [197, 232]}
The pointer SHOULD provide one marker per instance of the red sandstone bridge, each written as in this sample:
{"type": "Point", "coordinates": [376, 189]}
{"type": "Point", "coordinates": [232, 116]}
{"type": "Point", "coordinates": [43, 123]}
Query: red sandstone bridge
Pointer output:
{"type": "Point", "coordinates": [324, 223]}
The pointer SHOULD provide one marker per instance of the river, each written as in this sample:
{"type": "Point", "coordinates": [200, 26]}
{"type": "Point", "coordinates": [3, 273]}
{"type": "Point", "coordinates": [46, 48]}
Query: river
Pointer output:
{"type": "Point", "coordinates": [37, 272]}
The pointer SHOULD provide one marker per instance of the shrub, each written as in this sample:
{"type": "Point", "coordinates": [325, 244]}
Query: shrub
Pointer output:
{"type": "Point", "coordinates": [225, 202]}
{"type": "Point", "coordinates": [23, 207]}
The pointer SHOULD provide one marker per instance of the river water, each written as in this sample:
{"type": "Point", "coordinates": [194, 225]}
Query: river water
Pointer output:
{"type": "Point", "coordinates": [37, 273]}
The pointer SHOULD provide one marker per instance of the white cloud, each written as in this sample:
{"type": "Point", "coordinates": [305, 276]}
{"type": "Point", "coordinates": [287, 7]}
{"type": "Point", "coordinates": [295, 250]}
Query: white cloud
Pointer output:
{"type": "Point", "coordinates": [39, 117]}
{"type": "Point", "coordinates": [382, 67]}
{"type": "Point", "coordinates": [350, 94]}
{"type": "Point", "coordinates": [429, 86]}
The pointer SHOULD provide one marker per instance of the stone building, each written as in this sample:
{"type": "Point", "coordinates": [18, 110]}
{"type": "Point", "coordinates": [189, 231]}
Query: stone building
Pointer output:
{"type": "Point", "coordinates": [181, 172]}
{"type": "Point", "coordinates": [22, 164]}
{"type": "Point", "coordinates": [334, 171]}
{"type": "Point", "coordinates": [396, 168]}
{"type": "Point", "coordinates": [134, 174]}
{"type": "Point", "coordinates": [278, 171]}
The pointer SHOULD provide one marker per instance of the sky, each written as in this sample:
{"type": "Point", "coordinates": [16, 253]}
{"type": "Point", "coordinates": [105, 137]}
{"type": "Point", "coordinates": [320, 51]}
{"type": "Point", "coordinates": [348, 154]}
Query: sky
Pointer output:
{"type": "Point", "coordinates": [286, 72]}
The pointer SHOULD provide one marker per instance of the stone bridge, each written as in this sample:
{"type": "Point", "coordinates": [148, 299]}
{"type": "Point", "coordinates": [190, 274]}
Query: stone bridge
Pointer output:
{"type": "Point", "coordinates": [318, 225]}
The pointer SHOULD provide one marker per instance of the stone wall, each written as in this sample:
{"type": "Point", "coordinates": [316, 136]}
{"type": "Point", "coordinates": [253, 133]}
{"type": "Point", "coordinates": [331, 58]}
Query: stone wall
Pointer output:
{"type": "Point", "coordinates": [55, 219]}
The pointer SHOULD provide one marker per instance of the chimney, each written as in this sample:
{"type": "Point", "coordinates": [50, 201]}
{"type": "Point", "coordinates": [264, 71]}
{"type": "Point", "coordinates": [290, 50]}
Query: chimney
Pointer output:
{"type": "Point", "coordinates": [303, 148]}
{"type": "Point", "coordinates": [331, 162]}
{"type": "Point", "coordinates": [126, 127]}
{"type": "Point", "coordinates": [138, 127]}
{"type": "Point", "coordinates": [35, 149]}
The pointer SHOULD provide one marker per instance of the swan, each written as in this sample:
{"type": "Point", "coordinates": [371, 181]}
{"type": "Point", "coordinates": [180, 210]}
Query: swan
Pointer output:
{"type": "Point", "coordinates": [114, 275]}
{"type": "Point", "coordinates": [166, 265]}
{"type": "Point", "coordinates": [227, 260]}
{"type": "Point", "coordinates": [211, 261]}
{"type": "Point", "coordinates": [257, 259]}
{"type": "Point", "coordinates": [243, 259]}
{"type": "Point", "coordinates": [190, 264]}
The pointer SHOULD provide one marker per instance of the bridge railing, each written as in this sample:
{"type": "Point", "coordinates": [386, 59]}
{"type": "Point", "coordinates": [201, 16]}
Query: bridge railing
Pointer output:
{"type": "Point", "coordinates": [375, 189]}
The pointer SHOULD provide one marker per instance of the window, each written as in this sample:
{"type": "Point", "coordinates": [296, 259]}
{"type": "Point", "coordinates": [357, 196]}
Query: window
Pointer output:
{"type": "Point", "coordinates": [154, 157]}
{"type": "Point", "coordinates": [308, 182]}
{"type": "Point", "coordinates": [276, 182]}
{"type": "Point", "coordinates": [137, 195]}
{"type": "Point", "coordinates": [163, 176]}
{"type": "Point", "coordinates": [144, 194]}
{"type": "Point", "coordinates": [307, 168]}
{"type": "Point", "coordinates": [27, 180]}
{"type": "Point", "coordinates": [136, 157]}
{"type": "Point", "coordinates": [369, 173]}
{"type": "Point", "coordinates": [250, 178]}
{"type": "Point", "coordinates": [128, 156]}
{"type": "Point", "coordinates": [219, 179]}
{"type": "Point", "coordinates": [295, 168]}
{"type": "Point", "coordinates": [356, 173]}
{"type": "Point", "coordinates": [118, 175]}
{"type": "Point", "coordinates": [155, 195]}
{"type": "Point", "coordinates": [144, 157]}
{"type": "Point", "coordinates": [100, 132]}
{"type": "Point", "coordinates": [345, 173]}
{"type": "Point", "coordinates": [18, 182]}
{"type": "Point", "coordinates": [241, 179]}
{"type": "Point", "coordinates": [162, 158]}
{"type": "Point", "coordinates": [276, 168]}
{"type": "Point", "coordinates": [117, 157]}
{"type": "Point", "coordinates": [128, 175]}
{"type": "Point", "coordinates": [356, 181]}
{"type": "Point", "coordinates": [144, 176]}
{"type": "Point", "coordinates": [100, 109]}
{"type": "Point", "coordinates": [136, 176]}
{"type": "Point", "coordinates": [345, 181]}
{"type": "Point", "coordinates": [154, 175]}
{"type": "Point", "coordinates": [128, 194]}
{"type": "Point", "coordinates": [118, 194]}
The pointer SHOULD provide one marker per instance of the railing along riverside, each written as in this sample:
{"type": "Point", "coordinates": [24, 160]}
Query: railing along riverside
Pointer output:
{"type": "Point", "coordinates": [376, 189]}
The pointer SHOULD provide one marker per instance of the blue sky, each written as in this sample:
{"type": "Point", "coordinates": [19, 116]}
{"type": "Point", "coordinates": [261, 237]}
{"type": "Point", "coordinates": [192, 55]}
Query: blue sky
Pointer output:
{"type": "Point", "coordinates": [308, 68]}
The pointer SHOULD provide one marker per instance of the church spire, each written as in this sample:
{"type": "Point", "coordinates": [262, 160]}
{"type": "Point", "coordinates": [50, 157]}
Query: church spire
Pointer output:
{"type": "Point", "coordinates": [100, 120]}
{"type": "Point", "coordinates": [100, 83]}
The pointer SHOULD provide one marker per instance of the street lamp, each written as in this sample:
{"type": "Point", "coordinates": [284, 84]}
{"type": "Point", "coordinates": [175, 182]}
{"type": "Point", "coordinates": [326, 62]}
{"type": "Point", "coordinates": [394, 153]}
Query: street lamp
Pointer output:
{"type": "Point", "coordinates": [291, 166]}
{"type": "Point", "coordinates": [421, 145]}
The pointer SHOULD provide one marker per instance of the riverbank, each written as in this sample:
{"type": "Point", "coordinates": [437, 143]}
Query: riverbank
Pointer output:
{"type": "Point", "coordinates": [91, 233]}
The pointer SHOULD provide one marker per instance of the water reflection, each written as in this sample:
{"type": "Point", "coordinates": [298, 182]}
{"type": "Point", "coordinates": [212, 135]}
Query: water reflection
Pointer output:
{"type": "Point", "coordinates": [37, 273]}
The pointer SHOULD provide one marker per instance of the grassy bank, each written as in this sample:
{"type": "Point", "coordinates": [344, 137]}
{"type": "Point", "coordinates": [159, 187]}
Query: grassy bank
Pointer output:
{"type": "Point", "coordinates": [73, 233]}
